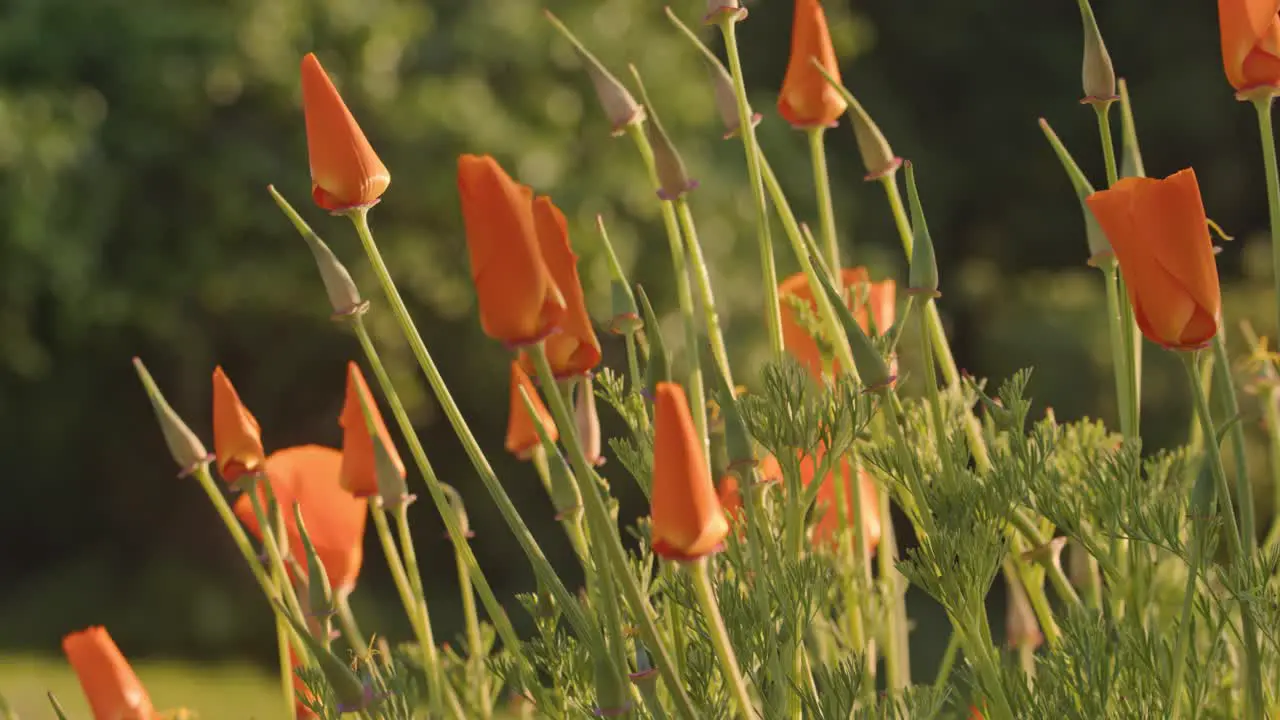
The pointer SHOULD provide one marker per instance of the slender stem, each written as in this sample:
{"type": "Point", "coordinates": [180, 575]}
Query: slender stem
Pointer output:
{"type": "Point", "coordinates": [1052, 569]}
{"type": "Point", "coordinates": [238, 535]}
{"type": "Point", "coordinates": [283, 638]}
{"type": "Point", "coordinates": [350, 628]}
{"type": "Point", "coordinates": [475, 660]}
{"type": "Point", "coordinates": [699, 270]}
{"type": "Point", "coordinates": [684, 294]}
{"type": "Point", "coordinates": [602, 529]}
{"type": "Point", "coordinates": [932, 396]}
{"type": "Point", "coordinates": [896, 639]}
{"type": "Point", "coordinates": [431, 656]}
{"type": "Point", "coordinates": [274, 554]}
{"type": "Point", "coordinates": [1119, 353]}
{"type": "Point", "coordinates": [720, 638]}
{"type": "Point", "coordinates": [1254, 698]}
{"type": "Point", "coordinates": [948, 661]}
{"type": "Point", "coordinates": [1174, 694]}
{"type": "Point", "coordinates": [1263, 106]}
{"type": "Point", "coordinates": [541, 566]}
{"type": "Point", "coordinates": [1226, 390]}
{"type": "Point", "coordinates": [1103, 112]}
{"type": "Point", "coordinates": [633, 364]}
{"type": "Point", "coordinates": [747, 130]}
{"type": "Point", "coordinates": [822, 184]}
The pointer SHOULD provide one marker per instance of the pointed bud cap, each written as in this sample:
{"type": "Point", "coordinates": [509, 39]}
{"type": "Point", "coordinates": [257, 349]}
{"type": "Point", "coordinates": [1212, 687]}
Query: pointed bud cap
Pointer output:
{"type": "Point", "coordinates": [722, 11]}
{"type": "Point", "coordinates": [1098, 76]}
{"type": "Point", "coordinates": [877, 156]}
{"type": "Point", "coordinates": [345, 171]}
{"type": "Point", "coordinates": [727, 100]}
{"type": "Point", "coordinates": [109, 682]}
{"type": "Point", "coordinates": [184, 446]}
{"type": "Point", "coordinates": [237, 439]}
{"type": "Point", "coordinates": [873, 371]}
{"type": "Point", "coordinates": [319, 591]}
{"type": "Point", "coordinates": [344, 297]}
{"type": "Point", "coordinates": [363, 433]}
{"type": "Point", "coordinates": [1099, 248]}
{"type": "Point", "coordinates": [673, 178]}
{"type": "Point", "coordinates": [621, 109]}
{"type": "Point", "coordinates": [658, 368]}
{"type": "Point", "coordinates": [1130, 154]}
{"type": "Point", "coordinates": [522, 431]}
{"type": "Point", "coordinates": [922, 279]}
{"type": "Point", "coordinates": [587, 421]}
{"type": "Point", "coordinates": [688, 521]}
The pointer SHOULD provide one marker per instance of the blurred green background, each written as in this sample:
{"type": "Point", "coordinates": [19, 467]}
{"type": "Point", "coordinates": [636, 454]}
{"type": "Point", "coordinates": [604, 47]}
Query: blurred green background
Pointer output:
{"type": "Point", "coordinates": [137, 140]}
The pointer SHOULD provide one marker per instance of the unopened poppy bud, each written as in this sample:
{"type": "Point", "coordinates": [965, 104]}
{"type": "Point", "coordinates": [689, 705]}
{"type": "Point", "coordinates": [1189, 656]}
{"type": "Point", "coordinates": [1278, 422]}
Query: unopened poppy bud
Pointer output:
{"type": "Point", "coordinates": [344, 297]}
{"type": "Point", "coordinates": [522, 430]}
{"type": "Point", "coordinates": [587, 421]}
{"type": "Point", "coordinates": [877, 155]}
{"type": "Point", "coordinates": [1099, 77]}
{"type": "Point", "coordinates": [922, 279]}
{"type": "Point", "coordinates": [1130, 155]}
{"type": "Point", "coordinates": [872, 369]}
{"type": "Point", "coordinates": [658, 368]}
{"type": "Point", "coordinates": [619, 106]}
{"type": "Point", "coordinates": [721, 11]}
{"type": "Point", "coordinates": [184, 446]}
{"type": "Point", "coordinates": [727, 100]}
{"type": "Point", "coordinates": [319, 591]}
{"type": "Point", "coordinates": [673, 178]}
{"type": "Point", "coordinates": [1099, 248]}
{"type": "Point", "coordinates": [1021, 627]}
{"type": "Point", "coordinates": [370, 463]}
{"type": "Point", "coordinates": [625, 316]}
{"type": "Point", "coordinates": [345, 171]}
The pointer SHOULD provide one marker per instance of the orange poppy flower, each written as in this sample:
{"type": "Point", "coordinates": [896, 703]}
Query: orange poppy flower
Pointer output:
{"type": "Point", "coordinates": [1160, 235]}
{"type": "Point", "coordinates": [688, 521]}
{"type": "Point", "coordinates": [828, 524]}
{"type": "Point", "coordinates": [730, 494]}
{"type": "Point", "coordinates": [522, 433]}
{"type": "Point", "coordinates": [237, 439]}
{"type": "Point", "coordinates": [345, 171]}
{"type": "Point", "coordinates": [520, 303]}
{"type": "Point", "coordinates": [878, 305]}
{"type": "Point", "coordinates": [574, 349]}
{"type": "Point", "coordinates": [807, 99]}
{"type": "Point", "coordinates": [1250, 32]}
{"type": "Point", "coordinates": [109, 683]}
{"type": "Point", "coordinates": [309, 476]}
{"type": "Point", "coordinates": [359, 469]}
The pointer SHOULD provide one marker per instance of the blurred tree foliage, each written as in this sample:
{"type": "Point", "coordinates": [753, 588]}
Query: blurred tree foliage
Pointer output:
{"type": "Point", "coordinates": [137, 140]}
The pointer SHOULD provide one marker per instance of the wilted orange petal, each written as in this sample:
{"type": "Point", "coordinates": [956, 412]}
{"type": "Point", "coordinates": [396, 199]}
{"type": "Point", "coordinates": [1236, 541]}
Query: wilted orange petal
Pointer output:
{"type": "Point", "coordinates": [345, 171]}
{"type": "Point", "coordinates": [237, 439]}
{"type": "Point", "coordinates": [109, 683]}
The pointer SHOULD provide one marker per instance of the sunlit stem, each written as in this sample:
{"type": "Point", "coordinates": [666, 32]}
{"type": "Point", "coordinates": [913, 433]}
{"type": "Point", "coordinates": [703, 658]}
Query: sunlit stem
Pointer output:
{"type": "Point", "coordinates": [274, 555]}
{"type": "Point", "coordinates": [1263, 106]}
{"type": "Point", "coordinates": [283, 638]}
{"type": "Point", "coordinates": [1057, 578]}
{"type": "Point", "coordinates": [1254, 698]}
{"type": "Point", "coordinates": [347, 619]}
{"type": "Point", "coordinates": [537, 560]}
{"type": "Point", "coordinates": [1225, 387]}
{"type": "Point", "coordinates": [826, 209]}
{"type": "Point", "coordinates": [948, 662]}
{"type": "Point", "coordinates": [601, 527]}
{"type": "Point", "coordinates": [720, 638]}
{"type": "Point", "coordinates": [854, 546]}
{"type": "Point", "coordinates": [1115, 327]}
{"type": "Point", "coordinates": [932, 396]}
{"type": "Point", "coordinates": [747, 130]}
{"type": "Point", "coordinates": [1183, 641]}
{"type": "Point", "coordinates": [699, 269]}
{"type": "Point", "coordinates": [475, 658]}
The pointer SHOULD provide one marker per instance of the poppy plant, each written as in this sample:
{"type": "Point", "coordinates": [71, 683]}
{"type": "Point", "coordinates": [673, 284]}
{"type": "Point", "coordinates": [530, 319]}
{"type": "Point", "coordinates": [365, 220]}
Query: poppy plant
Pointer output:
{"type": "Point", "coordinates": [1250, 31]}
{"type": "Point", "coordinates": [237, 438]}
{"type": "Point", "coordinates": [345, 171]}
{"type": "Point", "coordinates": [359, 474]}
{"type": "Point", "coordinates": [828, 523]}
{"type": "Point", "coordinates": [520, 303]}
{"type": "Point", "coordinates": [522, 428]}
{"type": "Point", "coordinates": [109, 683]}
{"type": "Point", "coordinates": [574, 349]}
{"type": "Point", "coordinates": [807, 100]}
{"type": "Point", "coordinates": [688, 521]}
{"type": "Point", "coordinates": [730, 494]}
{"type": "Point", "coordinates": [1160, 236]}
{"type": "Point", "coordinates": [309, 476]}
{"type": "Point", "coordinates": [876, 304]}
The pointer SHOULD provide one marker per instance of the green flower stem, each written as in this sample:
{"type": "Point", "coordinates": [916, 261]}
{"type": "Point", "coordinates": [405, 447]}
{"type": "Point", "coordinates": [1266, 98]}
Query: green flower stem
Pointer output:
{"type": "Point", "coordinates": [1061, 585]}
{"type": "Point", "coordinates": [1254, 698]}
{"type": "Point", "coordinates": [854, 547]}
{"type": "Point", "coordinates": [413, 608]}
{"type": "Point", "coordinates": [274, 554]}
{"type": "Point", "coordinates": [602, 529]}
{"type": "Point", "coordinates": [570, 518]}
{"type": "Point", "coordinates": [633, 367]}
{"type": "Point", "coordinates": [1183, 641]}
{"type": "Point", "coordinates": [826, 210]}
{"type": "Point", "coordinates": [948, 662]}
{"type": "Point", "coordinates": [1115, 327]}
{"type": "Point", "coordinates": [683, 292]}
{"type": "Point", "coordinates": [541, 566]}
{"type": "Point", "coordinates": [471, 618]}
{"type": "Point", "coordinates": [350, 628]}
{"type": "Point", "coordinates": [699, 269]}
{"type": "Point", "coordinates": [283, 638]}
{"type": "Point", "coordinates": [826, 312]}
{"type": "Point", "coordinates": [1263, 106]}
{"type": "Point", "coordinates": [1230, 404]}
{"type": "Point", "coordinates": [897, 641]}
{"type": "Point", "coordinates": [747, 130]}
{"type": "Point", "coordinates": [941, 346]}
{"type": "Point", "coordinates": [720, 638]}
{"type": "Point", "coordinates": [932, 396]}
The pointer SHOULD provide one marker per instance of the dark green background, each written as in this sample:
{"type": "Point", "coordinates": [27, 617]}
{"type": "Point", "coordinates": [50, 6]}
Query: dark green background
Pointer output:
{"type": "Point", "coordinates": [137, 140]}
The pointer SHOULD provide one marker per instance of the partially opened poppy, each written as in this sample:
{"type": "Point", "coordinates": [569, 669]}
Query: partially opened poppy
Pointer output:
{"type": "Point", "coordinates": [826, 529]}
{"type": "Point", "coordinates": [109, 683]}
{"type": "Point", "coordinates": [522, 428]}
{"type": "Point", "coordinates": [573, 349]}
{"type": "Point", "coordinates": [688, 521]}
{"type": "Point", "coordinates": [345, 171]}
{"type": "Point", "coordinates": [309, 475]}
{"type": "Point", "coordinates": [520, 303]}
{"type": "Point", "coordinates": [807, 100]}
{"type": "Point", "coordinates": [876, 304]}
{"type": "Point", "coordinates": [1160, 235]}
{"type": "Point", "coordinates": [237, 439]}
{"type": "Point", "coordinates": [359, 474]}
{"type": "Point", "coordinates": [1250, 31]}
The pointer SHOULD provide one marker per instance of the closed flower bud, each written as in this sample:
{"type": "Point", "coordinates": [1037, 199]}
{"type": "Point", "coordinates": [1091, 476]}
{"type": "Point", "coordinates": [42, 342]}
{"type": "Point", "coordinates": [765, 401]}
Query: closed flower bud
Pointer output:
{"type": "Point", "coordinates": [1099, 248]}
{"type": "Point", "coordinates": [1160, 234]}
{"type": "Point", "coordinates": [619, 106]}
{"type": "Point", "coordinates": [807, 100]}
{"type": "Point", "coordinates": [1250, 32]}
{"type": "Point", "coordinates": [522, 431]}
{"type": "Point", "coordinates": [184, 446]}
{"type": "Point", "coordinates": [345, 171]}
{"type": "Point", "coordinates": [688, 521]}
{"type": "Point", "coordinates": [727, 100]}
{"type": "Point", "coordinates": [237, 440]}
{"type": "Point", "coordinates": [363, 430]}
{"type": "Point", "coordinates": [673, 178]}
{"type": "Point", "coordinates": [1131, 164]}
{"type": "Point", "coordinates": [109, 683]}
{"type": "Point", "coordinates": [923, 276]}
{"type": "Point", "coordinates": [1099, 77]}
{"type": "Point", "coordinates": [877, 156]}
{"type": "Point", "coordinates": [587, 421]}
{"type": "Point", "coordinates": [319, 592]}
{"type": "Point", "coordinates": [344, 297]}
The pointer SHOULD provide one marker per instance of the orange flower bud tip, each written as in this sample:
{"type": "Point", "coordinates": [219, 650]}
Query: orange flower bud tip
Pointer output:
{"type": "Point", "coordinates": [346, 173]}
{"type": "Point", "coordinates": [722, 11]}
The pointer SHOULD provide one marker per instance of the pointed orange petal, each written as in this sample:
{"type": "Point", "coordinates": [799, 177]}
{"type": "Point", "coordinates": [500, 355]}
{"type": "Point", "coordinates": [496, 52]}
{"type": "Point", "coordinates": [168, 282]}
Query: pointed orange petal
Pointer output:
{"type": "Point", "coordinates": [688, 521]}
{"type": "Point", "coordinates": [807, 99]}
{"type": "Point", "coordinates": [359, 474]}
{"type": "Point", "coordinates": [345, 171]}
{"type": "Point", "coordinates": [522, 430]}
{"type": "Point", "coordinates": [1250, 33]}
{"type": "Point", "coordinates": [573, 350]}
{"type": "Point", "coordinates": [237, 439]}
{"type": "Point", "coordinates": [109, 683]}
